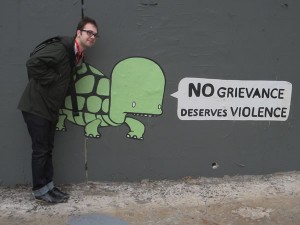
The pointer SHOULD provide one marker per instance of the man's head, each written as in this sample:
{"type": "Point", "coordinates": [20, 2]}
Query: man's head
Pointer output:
{"type": "Point", "coordinates": [86, 32]}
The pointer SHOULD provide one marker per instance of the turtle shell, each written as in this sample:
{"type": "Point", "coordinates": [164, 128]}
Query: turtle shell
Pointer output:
{"type": "Point", "coordinates": [92, 91]}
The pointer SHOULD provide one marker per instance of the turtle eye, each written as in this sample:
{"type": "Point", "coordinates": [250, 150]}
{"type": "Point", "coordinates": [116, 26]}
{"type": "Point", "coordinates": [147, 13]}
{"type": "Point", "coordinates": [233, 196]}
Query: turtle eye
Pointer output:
{"type": "Point", "coordinates": [133, 104]}
{"type": "Point", "coordinates": [159, 106]}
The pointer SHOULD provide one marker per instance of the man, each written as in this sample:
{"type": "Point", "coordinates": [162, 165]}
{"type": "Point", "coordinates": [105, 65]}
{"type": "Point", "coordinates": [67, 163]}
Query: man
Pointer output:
{"type": "Point", "coordinates": [50, 70]}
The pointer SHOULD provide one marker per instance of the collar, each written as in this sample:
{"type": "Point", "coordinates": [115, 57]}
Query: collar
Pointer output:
{"type": "Point", "coordinates": [78, 53]}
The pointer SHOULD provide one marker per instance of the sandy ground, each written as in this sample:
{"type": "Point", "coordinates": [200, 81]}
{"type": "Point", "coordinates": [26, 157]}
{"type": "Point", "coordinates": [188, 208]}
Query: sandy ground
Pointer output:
{"type": "Point", "coordinates": [268, 199]}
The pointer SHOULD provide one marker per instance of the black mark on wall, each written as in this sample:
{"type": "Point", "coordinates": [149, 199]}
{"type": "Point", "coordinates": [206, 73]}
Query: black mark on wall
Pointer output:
{"type": "Point", "coordinates": [149, 2]}
{"type": "Point", "coordinates": [82, 8]}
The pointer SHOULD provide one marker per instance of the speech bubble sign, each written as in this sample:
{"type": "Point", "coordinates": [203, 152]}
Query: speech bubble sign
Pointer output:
{"type": "Point", "coordinates": [214, 99]}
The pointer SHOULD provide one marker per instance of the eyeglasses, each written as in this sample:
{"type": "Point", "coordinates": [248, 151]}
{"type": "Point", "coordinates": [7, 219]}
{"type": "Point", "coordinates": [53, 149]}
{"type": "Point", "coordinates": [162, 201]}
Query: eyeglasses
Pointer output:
{"type": "Point", "coordinates": [91, 33]}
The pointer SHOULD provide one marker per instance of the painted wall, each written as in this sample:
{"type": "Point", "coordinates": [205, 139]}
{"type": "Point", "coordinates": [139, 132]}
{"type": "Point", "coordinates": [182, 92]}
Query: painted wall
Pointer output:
{"type": "Point", "coordinates": [227, 42]}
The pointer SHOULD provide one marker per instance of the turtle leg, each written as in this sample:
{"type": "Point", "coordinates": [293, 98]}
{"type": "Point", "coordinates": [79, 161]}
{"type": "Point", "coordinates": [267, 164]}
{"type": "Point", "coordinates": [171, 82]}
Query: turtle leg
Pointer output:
{"type": "Point", "coordinates": [137, 129]}
{"type": "Point", "coordinates": [91, 129]}
{"type": "Point", "coordinates": [60, 126]}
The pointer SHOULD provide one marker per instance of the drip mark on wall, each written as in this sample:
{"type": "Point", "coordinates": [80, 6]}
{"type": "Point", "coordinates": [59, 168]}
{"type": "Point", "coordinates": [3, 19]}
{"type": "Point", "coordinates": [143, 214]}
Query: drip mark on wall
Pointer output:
{"type": "Point", "coordinates": [82, 8]}
{"type": "Point", "coordinates": [85, 160]}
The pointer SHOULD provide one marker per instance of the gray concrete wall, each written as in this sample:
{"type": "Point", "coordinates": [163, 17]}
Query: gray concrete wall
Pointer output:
{"type": "Point", "coordinates": [228, 40]}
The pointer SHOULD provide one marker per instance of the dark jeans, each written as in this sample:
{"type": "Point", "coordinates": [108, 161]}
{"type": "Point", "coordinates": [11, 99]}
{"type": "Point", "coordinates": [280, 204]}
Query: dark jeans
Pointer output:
{"type": "Point", "coordinates": [42, 133]}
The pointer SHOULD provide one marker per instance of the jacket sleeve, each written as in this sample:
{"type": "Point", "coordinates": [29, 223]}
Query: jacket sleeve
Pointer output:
{"type": "Point", "coordinates": [43, 66]}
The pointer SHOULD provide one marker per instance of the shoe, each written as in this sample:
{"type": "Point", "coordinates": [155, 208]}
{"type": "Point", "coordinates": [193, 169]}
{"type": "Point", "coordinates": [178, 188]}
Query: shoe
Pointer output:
{"type": "Point", "coordinates": [49, 197]}
{"type": "Point", "coordinates": [56, 192]}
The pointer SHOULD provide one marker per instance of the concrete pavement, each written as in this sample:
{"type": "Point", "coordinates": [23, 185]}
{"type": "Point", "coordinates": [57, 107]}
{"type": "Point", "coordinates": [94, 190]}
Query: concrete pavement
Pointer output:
{"type": "Point", "coordinates": [238, 200]}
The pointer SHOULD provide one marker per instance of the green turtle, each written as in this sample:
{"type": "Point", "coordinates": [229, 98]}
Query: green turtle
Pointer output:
{"type": "Point", "coordinates": [136, 87]}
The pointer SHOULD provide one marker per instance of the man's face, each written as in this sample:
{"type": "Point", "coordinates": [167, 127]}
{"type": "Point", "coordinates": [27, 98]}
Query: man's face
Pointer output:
{"type": "Point", "coordinates": [86, 36]}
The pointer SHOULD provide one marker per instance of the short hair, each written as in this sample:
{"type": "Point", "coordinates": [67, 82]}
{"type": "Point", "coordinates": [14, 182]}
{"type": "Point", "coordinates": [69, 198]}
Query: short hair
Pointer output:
{"type": "Point", "coordinates": [84, 21]}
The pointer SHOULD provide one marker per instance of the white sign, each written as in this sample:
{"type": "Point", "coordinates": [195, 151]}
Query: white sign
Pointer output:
{"type": "Point", "coordinates": [212, 99]}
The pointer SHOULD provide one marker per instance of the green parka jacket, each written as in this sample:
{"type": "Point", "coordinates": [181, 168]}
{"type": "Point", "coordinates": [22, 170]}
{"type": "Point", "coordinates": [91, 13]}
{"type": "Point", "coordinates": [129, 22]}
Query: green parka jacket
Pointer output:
{"type": "Point", "coordinates": [49, 72]}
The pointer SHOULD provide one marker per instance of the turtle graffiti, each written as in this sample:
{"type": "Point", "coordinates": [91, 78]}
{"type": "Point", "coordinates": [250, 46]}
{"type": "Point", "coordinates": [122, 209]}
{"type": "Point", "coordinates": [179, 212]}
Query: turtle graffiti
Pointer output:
{"type": "Point", "coordinates": [136, 88]}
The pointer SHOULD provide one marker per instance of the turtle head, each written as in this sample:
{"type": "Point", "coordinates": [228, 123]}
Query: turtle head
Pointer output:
{"type": "Point", "coordinates": [137, 87]}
